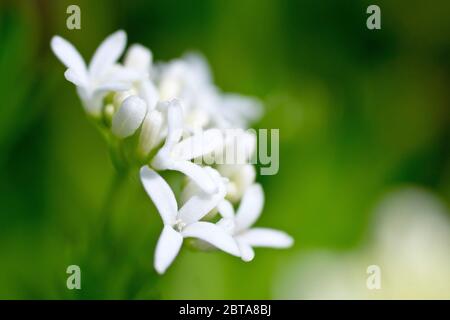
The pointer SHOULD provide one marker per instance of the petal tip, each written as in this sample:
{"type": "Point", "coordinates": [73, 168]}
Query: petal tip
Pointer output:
{"type": "Point", "coordinates": [120, 34]}
{"type": "Point", "coordinates": [160, 270]}
{"type": "Point", "coordinates": [54, 41]}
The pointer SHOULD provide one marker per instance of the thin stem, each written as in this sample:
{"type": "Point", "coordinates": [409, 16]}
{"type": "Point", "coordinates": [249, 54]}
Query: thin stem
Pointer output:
{"type": "Point", "coordinates": [110, 201]}
{"type": "Point", "coordinates": [113, 192]}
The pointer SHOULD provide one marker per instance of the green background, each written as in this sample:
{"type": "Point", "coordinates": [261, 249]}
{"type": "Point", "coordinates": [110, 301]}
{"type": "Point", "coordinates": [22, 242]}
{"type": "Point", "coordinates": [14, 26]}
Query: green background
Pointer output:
{"type": "Point", "coordinates": [360, 112]}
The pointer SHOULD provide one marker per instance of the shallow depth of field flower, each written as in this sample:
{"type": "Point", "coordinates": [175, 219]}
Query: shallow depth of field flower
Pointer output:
{"type": "Point", "coordinates": [167, 116]}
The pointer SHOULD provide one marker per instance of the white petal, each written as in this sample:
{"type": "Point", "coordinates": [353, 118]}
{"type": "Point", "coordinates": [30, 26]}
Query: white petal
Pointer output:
{"type": "Point", "coordinates": [247, 252]}
{"type": "Point", "coordinates": [189, 190]}
{"type": "Point", "coordinates": [241, 110]}
{"type": "Point", "coordinates": [120, 96]}
{"type": "Point", "coordinates": [92, 101]}
{"type": "Point", "coordinates": [107, 53]}
{"type": "Point", "coordinates": [241, 177]}
{"type": "Point", "coordinates": [168, 246]}
{"type": "Point", "coordinates": [200, 144]}
{"type": "Point", "coordinates": [175, 123]}
{"type": "Point", "coordinates": [162, 159]}
{"type": "Point", "coordinates": [70, 57]}
{"type": "Point", "coordinates": [196, 119]}
{"type": "Point", "coordinates": [265, 237]}
{"type": "Point", "coordinates": [196, 173]}
{"type": "Point", "coordinates": [226, 209]}
{"type": "Point", "coordinates": [138, 57]}
{"type": "Point", "coordinates": [212, 234]}
{"type": "Point", "coordinates": [201, 203]}
{"type": "Point", "coordinates": [161, 194]}
{"type": "Point", "coordinates": [239, 146]}
{"type": "Point", "coordinates": [113, 86]}
{"type": "Point", "coordinates": [72, 76]}
{"type": "Point", "coordinates": [150, 132]}
{"type": "Point", "coordinates": [227, 224]}
{"type": "Point", "coordinates": [129, 117]}
{"type": "Point", "coordinates": [199, 66]}
{"type": "Point", "coordinates": [192, 188]}
{"type": "Point", "coordinates": [148, 92]}
{"type": "Point", "coordinates": [118, 73]}
{"type": "Point", "coordinates": [250, 208]}
{"type": "Point", "coordinates": [246, 146]}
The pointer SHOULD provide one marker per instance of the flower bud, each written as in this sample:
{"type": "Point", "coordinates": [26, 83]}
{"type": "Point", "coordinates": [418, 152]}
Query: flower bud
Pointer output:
{"type": "Point", "coordinates": [129, 117]}
{"type": "Point", "coordinates": [119, 97]}
{"type": "Point", "coordinates": [151, 134]}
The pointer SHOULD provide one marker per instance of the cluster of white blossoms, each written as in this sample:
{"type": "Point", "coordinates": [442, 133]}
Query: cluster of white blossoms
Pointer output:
{"type": "Point", "coordinates": [170, 116]}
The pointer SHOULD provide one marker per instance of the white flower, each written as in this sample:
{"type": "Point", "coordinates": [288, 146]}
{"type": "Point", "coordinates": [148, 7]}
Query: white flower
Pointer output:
{"type": "Point", "coordinates": [103, 74]}
{"type": "Point", "coordinates": [129, 117]}
{"type": "Point", "coordinates": [184, 78]}
{"type": "Point", "coordinates": [184, 222]}
{"type": "Point", "coordinates": [230, 110]}
{"type": "Point", "coordinates": [178, 120]}
{"type": "Point", "coordinates": [176, 152]}
{"type": "Point", "coordinates": [240, 176]}
{"type": "Point", "coordinates": [239, 224]}
{"type": "Point", "coordinates": [152, 132]}
{"type": "Point", "coordinates": [189, 79]}
{"type": "Point", "coordinates": [233, 161]}
{"type": "Point", "coordinates": [138, 60]}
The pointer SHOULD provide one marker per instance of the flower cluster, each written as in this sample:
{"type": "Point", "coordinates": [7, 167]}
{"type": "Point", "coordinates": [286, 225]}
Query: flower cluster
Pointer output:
{"type": "Point", "coordinates": [170, 116]}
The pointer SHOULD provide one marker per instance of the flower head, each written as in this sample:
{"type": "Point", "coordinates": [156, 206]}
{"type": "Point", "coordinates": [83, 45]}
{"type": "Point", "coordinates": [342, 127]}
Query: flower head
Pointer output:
{"type": "Point", "coordinates": [185, 222]}
{"type": "Point", "coordinates": [103, 74]}
{"type": "Point", "coordinates": [173, 117]}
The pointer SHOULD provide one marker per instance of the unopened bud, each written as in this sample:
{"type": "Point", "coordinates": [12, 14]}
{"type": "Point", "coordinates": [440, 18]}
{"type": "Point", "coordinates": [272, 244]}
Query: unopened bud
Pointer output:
{"type": "Point", "coordinates": [151, 132]}
{"type": "Point", "coordinates": [119, 97]}
{"type": "Point", "coordinates": [129, 117]}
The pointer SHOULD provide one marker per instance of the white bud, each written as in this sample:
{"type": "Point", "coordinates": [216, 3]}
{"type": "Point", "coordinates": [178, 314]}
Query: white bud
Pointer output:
{"type": "Point", "coordinates": [151, 132]}
{"type": "Point", "coordinates": [139, 58]}
{"type": "Point", "coordinates": [119, 97]}
{"type": "Point", "coordinates": [129, 117]}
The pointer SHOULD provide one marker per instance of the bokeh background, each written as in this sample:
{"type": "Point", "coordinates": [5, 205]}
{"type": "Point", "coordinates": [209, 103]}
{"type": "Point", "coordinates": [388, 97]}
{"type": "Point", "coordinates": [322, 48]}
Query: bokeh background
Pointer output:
{"type": "Point", "coordinates": [360, 113]}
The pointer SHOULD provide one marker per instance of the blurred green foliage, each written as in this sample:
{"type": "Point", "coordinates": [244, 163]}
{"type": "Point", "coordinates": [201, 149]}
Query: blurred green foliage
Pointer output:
{"type": "Point", "coordinates": [359, 112]}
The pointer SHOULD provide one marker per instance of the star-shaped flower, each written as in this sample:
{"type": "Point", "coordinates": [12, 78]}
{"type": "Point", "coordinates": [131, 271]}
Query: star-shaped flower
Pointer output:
{"type": "Point", "coordinates": [239, 224]}
{"type": "Point", "coordinates": [184, 222]}
{"type": "Point", "coordinates": [103, 74]}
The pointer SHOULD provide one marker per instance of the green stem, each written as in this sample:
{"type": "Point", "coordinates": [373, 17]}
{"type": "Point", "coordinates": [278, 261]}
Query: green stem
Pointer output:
{"type": "Point", "coordinates": [113, 192]}
{"type": "Point", "coordinates": [110, 201]}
